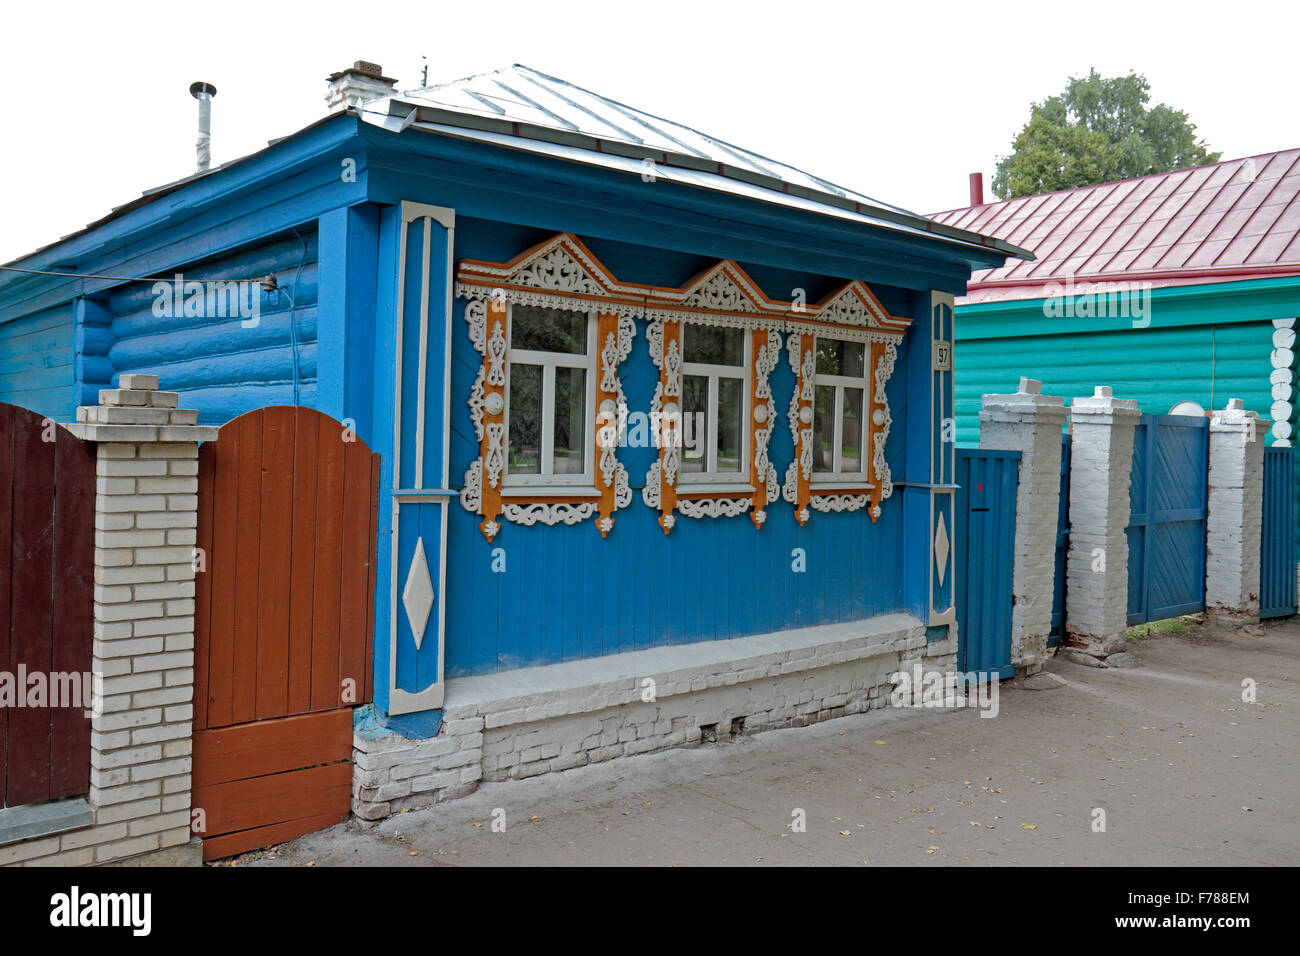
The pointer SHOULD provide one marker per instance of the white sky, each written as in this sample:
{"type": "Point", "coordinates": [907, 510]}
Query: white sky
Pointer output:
{"type": "Point", "coordinates": [899, 101]}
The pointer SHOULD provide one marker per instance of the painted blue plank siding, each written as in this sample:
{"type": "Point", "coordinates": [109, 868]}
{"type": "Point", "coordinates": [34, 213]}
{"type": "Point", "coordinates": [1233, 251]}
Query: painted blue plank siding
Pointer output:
{"type": "Point", "coordinates": [567, 594]}
{"type": "Point", "coordinates": [36, 362]}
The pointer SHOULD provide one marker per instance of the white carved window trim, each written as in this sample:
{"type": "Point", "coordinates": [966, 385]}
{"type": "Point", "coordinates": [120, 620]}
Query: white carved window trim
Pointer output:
{"type": "Point", "coordinates": [734, 481]}
{"type": "Point", "coordinates": [561, 272]}
{"type": "Point", "coordinates": [548, 482]}
{"type": "Point", "coordinates": [830, 480]}
{"type": "Point", "coordinates": [722, 494]}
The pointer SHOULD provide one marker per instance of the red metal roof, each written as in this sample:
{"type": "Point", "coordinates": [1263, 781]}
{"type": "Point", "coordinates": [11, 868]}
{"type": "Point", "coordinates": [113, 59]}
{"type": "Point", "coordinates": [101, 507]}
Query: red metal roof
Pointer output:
{"type": "Point", "coordinates": [1228, 221]}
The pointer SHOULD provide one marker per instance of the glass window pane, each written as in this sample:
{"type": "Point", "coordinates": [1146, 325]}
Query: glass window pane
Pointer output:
{"type": "Point", "coordinates": [731, 423]}
{"type": "Point", "coordinates": [548, 330]}
{"type": "Point", "coordinates": [525, 419]}
{"type": "Point", "coordinates": [710, 345]}
{"type": "Point", "coordinates": [693, 426]}
{"type": "Point", "coordinates": [570, 419]}
{"type": "Point", "coordinates": [837, 357]}
{"type": "Point", "coordinates": [824, 428]}
{"type": "Point", "coordinates": [851, 432]}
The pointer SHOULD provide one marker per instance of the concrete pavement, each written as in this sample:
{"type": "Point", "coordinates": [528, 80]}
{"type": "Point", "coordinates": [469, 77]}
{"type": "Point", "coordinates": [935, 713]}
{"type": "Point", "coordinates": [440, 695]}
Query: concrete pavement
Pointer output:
{"type": "Point", "coordinates": [1186, 772]}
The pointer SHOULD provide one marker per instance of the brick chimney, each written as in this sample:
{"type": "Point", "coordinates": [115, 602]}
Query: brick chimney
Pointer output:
{"type": "Point", "coordinates": [360, 83]}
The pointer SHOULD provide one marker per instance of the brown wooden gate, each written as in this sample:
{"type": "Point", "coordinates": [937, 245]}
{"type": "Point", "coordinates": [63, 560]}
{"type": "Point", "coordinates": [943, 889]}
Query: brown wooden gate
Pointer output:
{"type": "Point", "coordinates": [47, 517]}
{"type": "Point", "coordinates": [283, 627]}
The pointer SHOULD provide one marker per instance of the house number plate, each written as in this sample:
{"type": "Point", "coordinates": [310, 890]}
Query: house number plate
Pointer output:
{"type": "Point", "coordinates": [942, 356]}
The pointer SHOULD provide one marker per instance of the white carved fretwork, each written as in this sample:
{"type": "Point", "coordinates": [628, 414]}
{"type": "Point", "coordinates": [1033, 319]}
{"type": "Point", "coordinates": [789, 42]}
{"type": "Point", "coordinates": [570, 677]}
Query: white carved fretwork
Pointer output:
{"type": "Point", "coordinates": [713, 507]}
{"type": "Point", "coordinates": [557, 271]}
{"type": "Point", "coordinates": [562, 272]}
{"type": "Point", "coordinates": [719, 293]}
{"type": "Point", "coordinates": [562, 513]}
{"type": "Point", "coordinates": [884, 369]}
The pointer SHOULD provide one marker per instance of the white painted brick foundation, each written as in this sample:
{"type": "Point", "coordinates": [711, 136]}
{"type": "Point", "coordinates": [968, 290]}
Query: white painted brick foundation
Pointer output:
{"type": "Point", "coordinates": [1031, 423]}
{"type": "Point", "coordinates": [1101, 459]}
{"type": "Point", "coordinates": [547, 719]}
{"type": "Point", "coordinates": [1234, 521]}
{"type": "Point", "coordinates": [145, 515]}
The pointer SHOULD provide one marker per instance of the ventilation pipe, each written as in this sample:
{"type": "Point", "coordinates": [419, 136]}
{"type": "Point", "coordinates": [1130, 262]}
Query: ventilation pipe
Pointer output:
{"type": "Point", "coordinates": [203, 92]}
{"type": "Point", "coordinates": [977, 189]}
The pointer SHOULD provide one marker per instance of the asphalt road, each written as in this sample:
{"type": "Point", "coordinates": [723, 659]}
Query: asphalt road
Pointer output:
{"type": "Point", "coordinates": [1187, 773]}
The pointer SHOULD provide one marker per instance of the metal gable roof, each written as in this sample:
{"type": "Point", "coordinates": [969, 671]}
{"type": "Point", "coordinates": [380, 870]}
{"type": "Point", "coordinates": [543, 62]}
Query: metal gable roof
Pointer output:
{"type": "Point", "coordinates": [522, 108]}
{"type": "Point", "coordinates": [1233, 220]}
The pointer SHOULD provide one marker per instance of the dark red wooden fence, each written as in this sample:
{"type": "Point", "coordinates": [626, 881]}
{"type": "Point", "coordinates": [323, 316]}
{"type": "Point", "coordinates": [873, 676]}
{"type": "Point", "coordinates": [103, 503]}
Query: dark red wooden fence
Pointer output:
{"type": "Point", "coordinates": [47, 528]}
{"type": "Point", "coordinates": [284, 623]}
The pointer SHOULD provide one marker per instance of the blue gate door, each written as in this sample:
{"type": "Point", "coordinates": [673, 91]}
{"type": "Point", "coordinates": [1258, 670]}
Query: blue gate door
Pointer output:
{"type": "Point", "coordinates": [1057, 635]}
{"type": "Point", "coordinates": [1277, 575]}
{"type": "Point", "coordinates": [985, 531]}
{"type": "Point", "coordinates": [1166, 532]}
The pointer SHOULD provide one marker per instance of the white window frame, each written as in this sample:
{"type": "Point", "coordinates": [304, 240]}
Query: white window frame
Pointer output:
{"type": "Point", "coordinates": [744, 373]}
{"type": "Point", "coordinates": [570, 484]}
{"type": "Point", "coordinates": [858, 479]}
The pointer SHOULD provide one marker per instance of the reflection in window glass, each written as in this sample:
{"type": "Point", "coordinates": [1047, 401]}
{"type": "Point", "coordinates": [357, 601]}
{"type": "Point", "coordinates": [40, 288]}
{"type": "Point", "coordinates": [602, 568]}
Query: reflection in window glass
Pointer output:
{"type": "Point", "coordinates": [525, 419]}
{"type": "Point", "coordinates": [835, 357]}
{"type": "Point", "coordinates": [851, 432]}
{"type": "Point", "coordinates": [707, 345]}
{"type": "Point", "coordinates": [570, 407]}
{"type": "Point", "coordinates": [695, 394]}
{"type": "Point", "coordinates": [731, 411]}
{"type": "Point", "coordinates": [548, 330]}
{"type": "Point", "coordinates": [823, 428]}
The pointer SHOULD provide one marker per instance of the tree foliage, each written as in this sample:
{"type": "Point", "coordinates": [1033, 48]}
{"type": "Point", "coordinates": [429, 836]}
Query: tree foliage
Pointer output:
{"type": "Point", "coordinates": [1097, 130]}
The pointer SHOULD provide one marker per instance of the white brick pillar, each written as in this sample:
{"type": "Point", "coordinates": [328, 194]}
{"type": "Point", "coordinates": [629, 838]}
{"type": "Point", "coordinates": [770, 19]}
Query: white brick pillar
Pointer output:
{"type": "Point", "coordinates": [1234, 522]}
{"type": "Point", "coordinates": [1096, 572]}
{"type": "Point", "coordinates": [1030, 423]}
{"type": "Point", "coordinates": [145, 525]}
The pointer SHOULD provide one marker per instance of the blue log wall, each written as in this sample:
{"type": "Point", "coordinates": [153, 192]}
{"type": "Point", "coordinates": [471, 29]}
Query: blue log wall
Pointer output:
{"type": "Point", "coordinates": [36, 362]}
{"type": "Point", "coordinates": [221, 367]}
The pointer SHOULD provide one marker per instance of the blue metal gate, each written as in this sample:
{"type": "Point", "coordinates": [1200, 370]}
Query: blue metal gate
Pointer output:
{"type": "Point", "coordinates": [984, 521]}
{"type": "Point", "coordinates": [1277, 572]}
{"type": "Point", "coordinates": [1057, 635]}
{"type": "Point", "coordinates": [1166, 532]}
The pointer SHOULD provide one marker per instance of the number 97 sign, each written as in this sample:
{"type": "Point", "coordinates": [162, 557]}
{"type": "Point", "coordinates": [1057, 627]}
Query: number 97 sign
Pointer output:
{"type": "Point", "coordinates": [942, 356]}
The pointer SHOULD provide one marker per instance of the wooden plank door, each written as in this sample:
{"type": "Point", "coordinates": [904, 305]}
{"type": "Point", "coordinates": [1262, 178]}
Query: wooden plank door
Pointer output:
{"type": "Point", "coordinates": [47, 520]}
{"type": "Point", "coordinates": [284, 603]}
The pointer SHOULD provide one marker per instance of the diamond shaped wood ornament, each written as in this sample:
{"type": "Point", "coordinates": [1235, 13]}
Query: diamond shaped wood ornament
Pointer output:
{"type": "Point", "coordinates": [941, 549]}
{"type": "Point", "coordinates": [417, 594]}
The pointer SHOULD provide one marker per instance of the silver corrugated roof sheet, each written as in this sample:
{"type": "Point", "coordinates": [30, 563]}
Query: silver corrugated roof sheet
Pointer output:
{"type": "Point", "coordinates": [522, 108]}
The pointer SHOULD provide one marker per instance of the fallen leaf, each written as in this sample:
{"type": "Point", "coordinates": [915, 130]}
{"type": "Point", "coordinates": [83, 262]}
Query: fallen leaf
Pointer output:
{"type": "Point", "coordinates": [844, 833]}
{"type": "Point", "coordinates": [881, 742]}
{"type": "Point", "coordinates": [1029, 826]}
{"type": "Point", "coordinates": [413, 853]}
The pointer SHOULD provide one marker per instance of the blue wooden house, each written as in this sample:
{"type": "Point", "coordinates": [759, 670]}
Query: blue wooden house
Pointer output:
{"type": "Point", "coordinates": [632, 387]}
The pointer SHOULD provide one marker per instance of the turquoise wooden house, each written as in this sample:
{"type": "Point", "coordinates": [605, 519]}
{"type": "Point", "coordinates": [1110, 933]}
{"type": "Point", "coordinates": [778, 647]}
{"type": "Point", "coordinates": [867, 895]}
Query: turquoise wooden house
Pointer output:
{"type": "Point", "coordinates": [1180, 290]}
{"type": "Point", "coordinates": [634, 391]}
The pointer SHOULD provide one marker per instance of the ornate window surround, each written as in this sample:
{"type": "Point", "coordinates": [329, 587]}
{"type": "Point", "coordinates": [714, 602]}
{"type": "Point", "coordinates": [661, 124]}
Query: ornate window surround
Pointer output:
{"type": "Point", "coordinates": [856, 316]}
{"type": "Point", "coordinates": [562, 273]}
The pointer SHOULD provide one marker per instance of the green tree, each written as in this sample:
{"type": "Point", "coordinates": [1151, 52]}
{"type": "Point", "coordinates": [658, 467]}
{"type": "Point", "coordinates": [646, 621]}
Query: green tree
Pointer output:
{"type": "Point", "coordinates": [1097, 130]}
